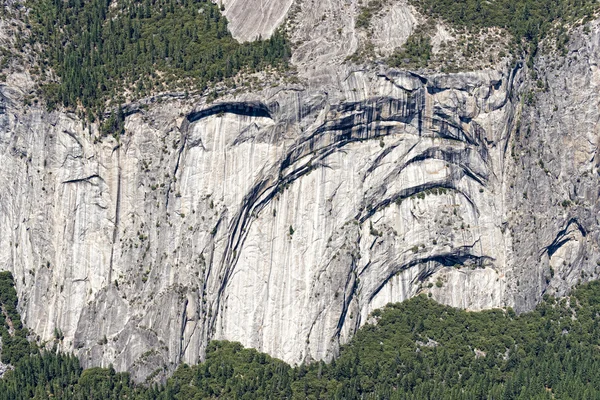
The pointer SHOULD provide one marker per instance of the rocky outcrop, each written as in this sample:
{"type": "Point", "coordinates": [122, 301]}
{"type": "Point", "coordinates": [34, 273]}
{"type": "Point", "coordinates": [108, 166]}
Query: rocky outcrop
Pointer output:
{"type": "Point", "coordinates": [282, 218]}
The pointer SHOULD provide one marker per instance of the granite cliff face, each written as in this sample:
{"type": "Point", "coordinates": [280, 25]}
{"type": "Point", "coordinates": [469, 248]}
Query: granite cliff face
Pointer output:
{"type": "Point", "coordinates": [281, 218]}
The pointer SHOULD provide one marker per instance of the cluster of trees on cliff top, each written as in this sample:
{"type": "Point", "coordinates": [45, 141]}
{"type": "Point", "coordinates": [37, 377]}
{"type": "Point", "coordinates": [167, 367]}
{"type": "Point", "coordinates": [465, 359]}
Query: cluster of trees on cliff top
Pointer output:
{"type": "Point", "coordinates": [101, 49]}
{"type": "Point", "coordinates": [418, 350]}
{"type": "Point", "coordinates": [529, 19]}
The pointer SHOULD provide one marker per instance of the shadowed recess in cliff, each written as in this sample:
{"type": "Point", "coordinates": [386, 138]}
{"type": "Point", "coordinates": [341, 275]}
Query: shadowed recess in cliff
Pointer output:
{"type": "Point", "coordinates": [459, 256]}
{"type": "Point", "coordinates": [461, 158]}
{"type": "Point", "coordinates": [562, 237]}
{"type": "Point", "coordinates": [247, 109]}
{"type": "Point", "coordinates": [350, 288]}
{"type": "Point", "coordinates": [445, 184]}
{"type": "Point", "coordinates": [89, 179]}
{"type": "Point", "coordinates": [449, 130]}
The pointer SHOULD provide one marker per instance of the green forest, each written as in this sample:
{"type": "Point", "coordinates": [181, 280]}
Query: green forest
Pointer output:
{"type": "Point", "coordinates": [103, 50]}
{"type": "Point", "coordinates": [528, 19]}
{"type": "Point", "coordinates": [418, 349]}
{"type": "Point", "coordinates": [14, 336]}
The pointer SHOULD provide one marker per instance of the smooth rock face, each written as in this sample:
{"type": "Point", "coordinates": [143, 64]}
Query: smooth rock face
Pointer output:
{"type": "Point", "coordinates": [250, 20]}
{"type": "Point", "coordinates": [282, 218]}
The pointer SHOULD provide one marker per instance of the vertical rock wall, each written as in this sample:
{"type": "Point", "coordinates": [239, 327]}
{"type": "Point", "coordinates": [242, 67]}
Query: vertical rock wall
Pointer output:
{"type": "Point", "coordinates": [281, 218]}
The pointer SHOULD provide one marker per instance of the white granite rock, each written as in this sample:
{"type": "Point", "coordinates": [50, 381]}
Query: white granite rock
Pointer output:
{"type": "Point", "coordinates": [282, 218]}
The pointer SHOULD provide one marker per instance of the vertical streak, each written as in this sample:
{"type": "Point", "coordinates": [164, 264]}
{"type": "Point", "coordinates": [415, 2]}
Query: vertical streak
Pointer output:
{"type": "Point", "coordinates": [117, 214]}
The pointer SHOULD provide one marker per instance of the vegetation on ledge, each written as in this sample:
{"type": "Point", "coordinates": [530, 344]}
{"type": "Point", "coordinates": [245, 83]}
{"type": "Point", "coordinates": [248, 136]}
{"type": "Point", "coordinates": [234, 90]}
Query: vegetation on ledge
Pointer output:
{"type": "Point", "coordinates": [417, 350]}
{"type": "Point", "coordinates": [527, 19]}
{"type": "Point", "coordinates": [415, 53]}
{"type": "Point", "coordinates": [104, 51]}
